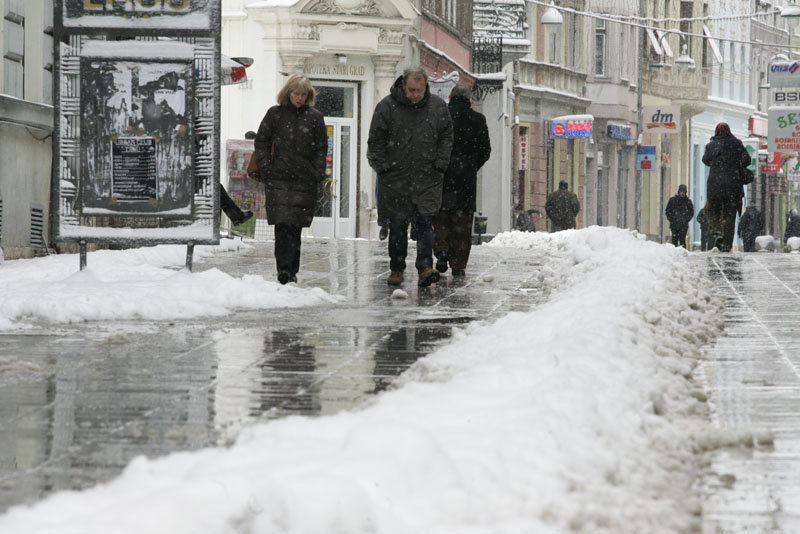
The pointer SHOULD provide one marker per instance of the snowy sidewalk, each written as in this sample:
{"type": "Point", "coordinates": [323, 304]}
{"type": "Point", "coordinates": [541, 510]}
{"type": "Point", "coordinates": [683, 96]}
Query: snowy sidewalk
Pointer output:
{"type": "Point", "coordinates": [753, 375]}
{"type": "Point", "coordinates": [554, 395]}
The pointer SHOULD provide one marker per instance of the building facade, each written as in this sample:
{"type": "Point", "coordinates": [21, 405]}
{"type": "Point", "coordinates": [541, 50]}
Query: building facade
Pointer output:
{"type": "Point", "coordinates": [26, 125]}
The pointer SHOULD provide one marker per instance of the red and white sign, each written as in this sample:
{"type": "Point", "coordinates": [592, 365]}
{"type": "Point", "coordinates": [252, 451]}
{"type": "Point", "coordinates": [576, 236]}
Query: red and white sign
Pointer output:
{"type": "Point", "coordinates": [771, 163]}
{"type": "Point", "coordinates": [758, 126]}
{"type": "Point", "coordinates": [523, 152]}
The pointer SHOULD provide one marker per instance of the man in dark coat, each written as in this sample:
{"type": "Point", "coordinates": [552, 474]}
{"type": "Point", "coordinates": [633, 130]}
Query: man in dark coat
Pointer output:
{"type": "Point", "coordinates": [410, 139]}
{"type": "Point", "coordinates": [792, 226]}
{"type": "Point", "coordinates": [471, 148]}
{"type": "Point", "coordinates": [751, 225]}
{"type": "Point", "coordinates": [291, 147]}
{"type": "Point", "coordinates": [725, 156]}
{"type": "Point", "coordinates": [562, 207]}
{"type": "Point", "coordinates": [679, 212]}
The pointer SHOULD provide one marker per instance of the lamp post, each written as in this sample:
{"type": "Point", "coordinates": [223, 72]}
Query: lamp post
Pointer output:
{"type": "Point", "coordinates": [791, 13]}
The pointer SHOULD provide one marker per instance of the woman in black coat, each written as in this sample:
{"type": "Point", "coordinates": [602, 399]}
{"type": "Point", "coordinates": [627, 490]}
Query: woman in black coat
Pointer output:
{"type": "Point", "coordinates": [291, 147]}
{"type": "Point", "coordinates": [725, 155]}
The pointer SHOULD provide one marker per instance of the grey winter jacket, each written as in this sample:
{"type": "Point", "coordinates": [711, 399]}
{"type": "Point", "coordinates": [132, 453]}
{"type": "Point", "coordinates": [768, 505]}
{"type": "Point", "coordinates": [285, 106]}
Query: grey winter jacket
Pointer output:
{"type": "Point", "coordinates": [409, 147]}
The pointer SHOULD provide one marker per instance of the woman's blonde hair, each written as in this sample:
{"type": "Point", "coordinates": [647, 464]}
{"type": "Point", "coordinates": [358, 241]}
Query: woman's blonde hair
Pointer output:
{"type": "Point", "coordinates": [296, 84]}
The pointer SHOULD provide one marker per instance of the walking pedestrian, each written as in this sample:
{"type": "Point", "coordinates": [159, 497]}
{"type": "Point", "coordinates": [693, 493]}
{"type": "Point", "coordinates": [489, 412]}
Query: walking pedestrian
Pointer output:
{"type": "Point", "coordinates": [702, 220]}
{"type": "Point", "coordinates": [562, 207]}
{"type": "Point", "coordinates": [409, 144]}
{"type": "Point", "coordinates": [679, 212]}
{"type": "Point", "coordinates": [471, 149]}
{"type": "Point", "coordinates": [751, 224]}
{"type": "Point", "coordinates": [725, 156]}
{"type": "Point", "coordinates": [792, 227]}
{"type": "Point", "coordinates": [291, 149]}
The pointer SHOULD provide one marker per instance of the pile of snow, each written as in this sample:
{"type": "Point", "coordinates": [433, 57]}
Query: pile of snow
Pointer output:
{"type": "Point", "coordinates": [577, 416]}
{"type": "Point", "coordinates": [142, 283]}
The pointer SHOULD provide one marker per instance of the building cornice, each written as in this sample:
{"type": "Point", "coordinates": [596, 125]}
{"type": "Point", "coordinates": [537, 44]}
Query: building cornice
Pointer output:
{"type": "Point", "coordinates": [25, 113]}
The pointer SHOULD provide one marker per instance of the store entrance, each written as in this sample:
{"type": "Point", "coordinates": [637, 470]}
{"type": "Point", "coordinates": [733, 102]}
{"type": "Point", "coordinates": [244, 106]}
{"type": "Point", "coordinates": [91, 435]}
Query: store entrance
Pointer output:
{"type": "Point", "coordinates": [336, 205]}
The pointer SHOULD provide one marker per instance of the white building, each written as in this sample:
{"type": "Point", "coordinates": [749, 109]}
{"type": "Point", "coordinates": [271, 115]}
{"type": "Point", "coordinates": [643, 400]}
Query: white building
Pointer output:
{"type": "Point", "coordinates": [352, 50]}
{"type": "Point", "coordinates": [26, 125]}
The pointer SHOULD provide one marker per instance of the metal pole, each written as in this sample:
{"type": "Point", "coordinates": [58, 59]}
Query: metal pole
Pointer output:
{"type": "Point", "coordinates": [189, 254]}
{"type": "Point", "coordinates": [639, 82]}
{"type": "Point", "coordinates": [82, 254]}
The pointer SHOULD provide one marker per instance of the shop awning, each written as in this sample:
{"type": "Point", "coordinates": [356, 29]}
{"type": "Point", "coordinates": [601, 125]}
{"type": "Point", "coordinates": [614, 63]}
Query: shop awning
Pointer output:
{"type": "Point", "coordinates": [662, 38]}
{"type": "Point", "coordinates": [712, 44]}
{"type": "Point", "coordinates": [651, 35]}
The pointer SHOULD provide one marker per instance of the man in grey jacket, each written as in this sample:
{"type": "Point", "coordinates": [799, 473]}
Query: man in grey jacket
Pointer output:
{"type": "Point", "coordinates": [409, 145]}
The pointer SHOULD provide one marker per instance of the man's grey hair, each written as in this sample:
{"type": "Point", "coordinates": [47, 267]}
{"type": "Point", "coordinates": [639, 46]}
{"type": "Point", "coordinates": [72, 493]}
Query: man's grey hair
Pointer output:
{"type": "Point", "coordinates": [462, 91]}
{"type": "Point", "coordinates": [415, 73]}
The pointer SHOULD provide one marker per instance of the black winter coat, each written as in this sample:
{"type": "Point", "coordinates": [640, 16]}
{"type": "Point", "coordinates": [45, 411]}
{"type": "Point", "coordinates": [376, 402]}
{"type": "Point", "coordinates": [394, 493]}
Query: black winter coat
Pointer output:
{"type": "Point", "coordinates": [751, 224]}
{"type": "Point", "coordinates": [725, 155]}
{"type": "Point", "coordinates": [409, 147]}
{"type": "Point", "coordinates": [292, 172]}
{"type": "Point", "coordinates": [679, 212]}
{"type": "Point", "coordinates": [471, 149]}
{"type": "Point", "coordinates": [792, 228]}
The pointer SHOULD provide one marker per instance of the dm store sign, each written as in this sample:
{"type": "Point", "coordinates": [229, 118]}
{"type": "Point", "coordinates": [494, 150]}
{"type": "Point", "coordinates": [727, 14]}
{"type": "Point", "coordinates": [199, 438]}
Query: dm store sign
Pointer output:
{"type": "Point", "coordinates": [661, 119]}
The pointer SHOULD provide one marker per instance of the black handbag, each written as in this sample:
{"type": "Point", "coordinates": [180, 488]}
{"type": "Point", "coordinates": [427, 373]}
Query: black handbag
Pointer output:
{"type": "Point", "coordinates": [746, 176]}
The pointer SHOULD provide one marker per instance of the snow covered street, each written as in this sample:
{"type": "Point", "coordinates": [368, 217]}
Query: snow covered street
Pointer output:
{"type": "Point", "coordinates": [553, 390]}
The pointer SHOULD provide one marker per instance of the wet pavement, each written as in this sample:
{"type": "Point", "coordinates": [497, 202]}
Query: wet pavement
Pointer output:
{"type": "Point", "coordinates": [753, 376]}
{"type": "Point", "coordinates": [78, 402]}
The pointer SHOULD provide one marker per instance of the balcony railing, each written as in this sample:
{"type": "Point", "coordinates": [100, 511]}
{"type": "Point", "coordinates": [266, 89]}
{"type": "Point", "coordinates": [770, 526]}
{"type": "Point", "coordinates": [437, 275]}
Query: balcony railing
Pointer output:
{"type": "Point", "coordinates": [487, 55]}
{"type": "Point", "coordinates": [499, 18]}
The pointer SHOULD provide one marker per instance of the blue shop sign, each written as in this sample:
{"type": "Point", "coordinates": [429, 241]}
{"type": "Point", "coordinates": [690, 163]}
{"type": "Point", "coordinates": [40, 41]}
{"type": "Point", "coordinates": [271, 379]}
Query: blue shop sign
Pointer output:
{"type": "Point", "coordinates": [619, 131]}
{"type": "Point", "coordinates": [572, 126]}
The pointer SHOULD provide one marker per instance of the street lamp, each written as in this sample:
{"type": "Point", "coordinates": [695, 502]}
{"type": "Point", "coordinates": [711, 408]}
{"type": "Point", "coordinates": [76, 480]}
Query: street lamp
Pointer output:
{"type": "Point", "coordinates": [552, 15]}
{"type": "Point", "coordinates": [791, 13]}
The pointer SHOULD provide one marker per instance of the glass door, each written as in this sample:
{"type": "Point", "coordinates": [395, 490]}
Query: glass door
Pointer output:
{"type": "Point", "coordinates": [335, 215]}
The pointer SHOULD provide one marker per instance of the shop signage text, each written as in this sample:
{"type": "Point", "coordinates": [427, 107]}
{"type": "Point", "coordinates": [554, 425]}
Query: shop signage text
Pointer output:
{"type": "Point", "coordinates": [341, 69]}
{"type": "Point", "coordinates": [645, 157]}
{"type": "Point", "coordinates": [580, 128]}
{"type": "Point", "coordinates": [784, 129]}
{"type": "Point", "coordinates": [523, 152]}
{"type": "Point", "coordinates": [784, 74]}
{"type": "Point", "coordinates": [619, 131]}
{"type": "Point", "coordinates": [661, 119]}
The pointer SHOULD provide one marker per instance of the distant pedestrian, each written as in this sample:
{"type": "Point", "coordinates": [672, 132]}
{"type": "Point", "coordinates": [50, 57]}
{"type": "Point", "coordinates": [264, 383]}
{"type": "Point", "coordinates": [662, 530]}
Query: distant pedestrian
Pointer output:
{"type": "Point", "coordinates": [471, 149]}
{"type": "Point", "coordinates": [291, 148]}
{"type": "Point", "coordinates": [725, 155]}
{"type": "Point", "coordinates": [524, 220]}
{"type": "Point", "coordinates": [702, 220]}
{"type": "Point", "coordinates": [792, 226]}
{"type": "Point", "coordinates": [562, 207]}
{"type": "Point", "coordinates": [409, 144]}
{"type": "Point", "coordinates": [679, 212]}
{"type": "Point", "coordinates": [751, 225]}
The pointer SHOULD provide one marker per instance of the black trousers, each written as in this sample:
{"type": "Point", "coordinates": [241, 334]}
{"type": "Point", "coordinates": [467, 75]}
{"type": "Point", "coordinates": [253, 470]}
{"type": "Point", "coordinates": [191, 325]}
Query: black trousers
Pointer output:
{"type": "Point", "coordinates": [679, 235]}
{"type": "Point", "coordinates": [398, 243]}
{"type": "Point", "coordinates": [453, 236]}
{"type": "Point", "coordinates": [228, 206]}
{"type": "Point", "coordinates": [287, 247]}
